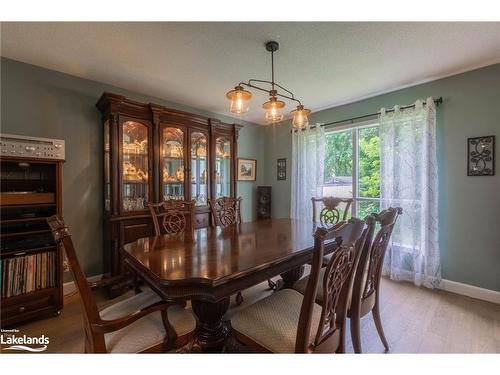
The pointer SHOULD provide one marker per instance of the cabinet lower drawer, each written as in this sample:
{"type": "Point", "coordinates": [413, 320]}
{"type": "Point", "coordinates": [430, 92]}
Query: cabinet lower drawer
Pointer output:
{"type": "Point", "coordinates": [28, 306]}
{"type": "Point", "coordinates": [138, 229]}
{"type": "Point", "coordinates": [201, 220]}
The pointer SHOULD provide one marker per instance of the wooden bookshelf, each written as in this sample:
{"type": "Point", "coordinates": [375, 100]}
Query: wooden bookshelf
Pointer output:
{"type": "Point", "coordinates": [31, 263]}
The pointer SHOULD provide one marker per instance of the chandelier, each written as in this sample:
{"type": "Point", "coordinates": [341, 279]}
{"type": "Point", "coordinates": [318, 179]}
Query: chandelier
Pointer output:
{"type": "Point", "coordinates": [240, 98]}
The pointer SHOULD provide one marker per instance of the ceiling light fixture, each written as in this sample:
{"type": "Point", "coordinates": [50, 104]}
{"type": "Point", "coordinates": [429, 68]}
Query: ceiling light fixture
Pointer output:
{"type": "Point", "coordinates": [240, 98]}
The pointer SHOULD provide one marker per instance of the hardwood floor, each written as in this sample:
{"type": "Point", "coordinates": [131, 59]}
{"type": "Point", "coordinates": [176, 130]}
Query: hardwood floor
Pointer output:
{"type": "Point", "coordinates": [415, 320]}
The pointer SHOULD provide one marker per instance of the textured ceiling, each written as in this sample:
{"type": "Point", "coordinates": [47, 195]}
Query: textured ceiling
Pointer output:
{"type": "Point", "coordinates": [324, 64]}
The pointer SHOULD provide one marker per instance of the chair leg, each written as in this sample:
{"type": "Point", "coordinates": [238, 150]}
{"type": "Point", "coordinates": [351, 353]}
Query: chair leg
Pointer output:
{"type": "Point", "coordinates": [341, 347]}
{"type": "Point", "coordinates": [378, 325]}
{"type": "Point", "coordinates": [356, 333]}
{"type": "Point", "coordinates": [239, 298]}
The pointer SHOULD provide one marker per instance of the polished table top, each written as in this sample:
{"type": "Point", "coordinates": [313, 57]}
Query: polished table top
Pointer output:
{"type": "Point", "coordinates": [217, 256]}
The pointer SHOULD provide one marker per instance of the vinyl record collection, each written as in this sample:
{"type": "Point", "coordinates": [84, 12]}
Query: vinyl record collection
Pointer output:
{"type": "Point", "coordinates": [24, 274]}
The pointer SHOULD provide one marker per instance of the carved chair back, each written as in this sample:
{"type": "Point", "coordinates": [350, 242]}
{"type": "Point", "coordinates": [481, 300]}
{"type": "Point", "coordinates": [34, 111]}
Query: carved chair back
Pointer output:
{"type": "Point", "coordinates": [348, 238]}
{"type": "Point", "coordinates": [172, 216]}
{"type": "Point", "coordinates": [329, 210]}
{"type": "Point", "coordinates": [62, 237]}
{"type": "Point", "coordinates": [225, 211]}
{"type": "Point", "coordinates": [369, 269]}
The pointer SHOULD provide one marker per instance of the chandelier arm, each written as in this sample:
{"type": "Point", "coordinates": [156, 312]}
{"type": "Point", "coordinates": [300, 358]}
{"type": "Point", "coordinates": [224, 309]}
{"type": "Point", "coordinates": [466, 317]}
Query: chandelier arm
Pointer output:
{"type": "Point", "coordinates": [269, 82]}
{"type": "Point", "coordinates": [259, 80]}
{"type": "Point", "coordinates": [264, 90]}
{"type": "Point", "coordinates": [288, 91]}
{"type": "Point", "coordinates": [255, 87]}
{"type": "Point", "coordinates": [289, 98]}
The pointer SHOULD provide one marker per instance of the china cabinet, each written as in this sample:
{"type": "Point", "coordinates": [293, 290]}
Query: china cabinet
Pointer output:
{"type": "Point", "coordinates": [153, 153]}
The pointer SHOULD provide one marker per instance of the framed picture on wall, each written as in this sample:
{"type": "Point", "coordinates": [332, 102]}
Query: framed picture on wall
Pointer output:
{"type": "Point", "coordinates": [247, 169]}
{"type": "Point", "coordinates": [281, 171]}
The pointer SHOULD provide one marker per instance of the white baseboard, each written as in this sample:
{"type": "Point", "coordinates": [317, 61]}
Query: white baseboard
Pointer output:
{"type": "Point", "coordinates": [70, 286]}
{"type": "Point", "coordinates": [470, 291]}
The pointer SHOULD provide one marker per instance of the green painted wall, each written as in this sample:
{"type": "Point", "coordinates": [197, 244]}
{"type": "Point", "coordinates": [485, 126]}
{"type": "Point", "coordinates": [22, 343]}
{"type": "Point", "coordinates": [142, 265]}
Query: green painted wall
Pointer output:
{"type": "Point", "coordinates": [469, 207]}
{"type": "Point", "coordinates": [45, 103]}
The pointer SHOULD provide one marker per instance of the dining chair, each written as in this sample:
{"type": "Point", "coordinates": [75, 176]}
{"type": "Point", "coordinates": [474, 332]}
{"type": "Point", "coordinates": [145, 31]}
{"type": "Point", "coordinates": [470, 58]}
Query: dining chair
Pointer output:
{"type": "Point", "coordinates": [172, 216]}
{"type": "Point", "coordinates": [169, 217]}
{"type": "Point", "coordinates": [226, 211]}
{"type": "Point", "coordinates": [289, 322]}
{"type": "Point", "coordinates": [366, 287]}
{"type": "Point", "coordinates": [143, 323]}
{"type": "Point", "coordinates": [329, 211]}
{"type": "Point", "coordinates": [362, 243]}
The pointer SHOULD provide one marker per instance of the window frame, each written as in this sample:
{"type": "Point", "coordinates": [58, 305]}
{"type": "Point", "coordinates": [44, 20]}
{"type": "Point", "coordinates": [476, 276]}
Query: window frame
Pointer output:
{"type": "Point", "coordinates": [354, 128]}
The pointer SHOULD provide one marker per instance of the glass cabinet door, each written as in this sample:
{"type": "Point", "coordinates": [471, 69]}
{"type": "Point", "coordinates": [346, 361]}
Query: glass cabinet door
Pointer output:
{"type": "Point", "coordinates": [135, 166]}
{"type": "Point", "coordinates": [107, 161]}
{"type": "Point", "coordinates": [172, 154]}
{"type": "Point", "coordinates": [222, 167]}
{"type": "Point", "coordinates": [199, 168]}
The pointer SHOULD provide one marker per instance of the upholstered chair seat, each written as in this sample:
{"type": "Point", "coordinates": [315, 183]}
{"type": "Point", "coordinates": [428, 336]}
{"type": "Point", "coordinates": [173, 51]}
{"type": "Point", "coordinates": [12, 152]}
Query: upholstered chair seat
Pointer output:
{"type": "Point", "coordinates": [272, 322]}
{"type": "Point", "coordinates": [147, 332]}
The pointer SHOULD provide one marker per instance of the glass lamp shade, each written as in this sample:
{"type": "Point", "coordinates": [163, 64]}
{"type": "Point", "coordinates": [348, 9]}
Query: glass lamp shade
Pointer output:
{"type": "Point", "coordinates": [239, 100]}
{"type": "Point", "coordinates": [300, 119]}
{"type": "Point", "coordinates": [273, 110]}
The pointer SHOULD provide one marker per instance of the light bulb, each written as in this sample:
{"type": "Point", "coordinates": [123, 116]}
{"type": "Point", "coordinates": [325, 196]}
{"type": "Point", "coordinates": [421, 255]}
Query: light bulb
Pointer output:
{"type": "Point", "coordinates": [273, 110]}
{"type": "Point", "coordinates": [238, 106]}
{"type": "Point", "coordinates": [300, 119]}
{"type": "Point", "coordinates": [239, 99]}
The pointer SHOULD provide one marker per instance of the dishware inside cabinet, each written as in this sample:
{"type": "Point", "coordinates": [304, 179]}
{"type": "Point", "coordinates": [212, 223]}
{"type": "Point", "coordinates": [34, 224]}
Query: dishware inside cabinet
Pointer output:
{"type": "Point", "coordinates": [199, 168]}
{"type": "Point", "coordinates": [222, 167]}
{"type": "Point", "coordinates": [135, 166]}
{"type": "Point", "coordinates": [173, 168]}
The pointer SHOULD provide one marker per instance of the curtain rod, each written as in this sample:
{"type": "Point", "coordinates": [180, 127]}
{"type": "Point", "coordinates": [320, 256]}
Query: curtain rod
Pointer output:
{"type": "Point", "coordinates": [437, 101]}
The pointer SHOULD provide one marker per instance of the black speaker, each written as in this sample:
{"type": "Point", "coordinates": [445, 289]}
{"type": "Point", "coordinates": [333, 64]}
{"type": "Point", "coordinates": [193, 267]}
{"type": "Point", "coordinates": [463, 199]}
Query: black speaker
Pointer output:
{"type": "Point", "coordinates": [263, 202]}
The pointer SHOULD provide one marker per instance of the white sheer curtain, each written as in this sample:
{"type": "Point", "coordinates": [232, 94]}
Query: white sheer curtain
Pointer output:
{"type": "Point", "coordinates": [308, 158]}
{"type": "Point", "coordinates": [409, 180]}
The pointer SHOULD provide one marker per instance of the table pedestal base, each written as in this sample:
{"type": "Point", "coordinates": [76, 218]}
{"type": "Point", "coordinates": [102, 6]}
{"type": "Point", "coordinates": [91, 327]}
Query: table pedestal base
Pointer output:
{"type": "Point", "coordinates": [288, 279]}
{"type": "Point", "coordinates": [291, 277]}
{"type": "Point", "coordinates": [211, 330]}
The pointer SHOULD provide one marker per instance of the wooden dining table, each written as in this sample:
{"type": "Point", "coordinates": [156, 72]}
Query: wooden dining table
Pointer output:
{"type": "Point", "coordinates": [217, 263]}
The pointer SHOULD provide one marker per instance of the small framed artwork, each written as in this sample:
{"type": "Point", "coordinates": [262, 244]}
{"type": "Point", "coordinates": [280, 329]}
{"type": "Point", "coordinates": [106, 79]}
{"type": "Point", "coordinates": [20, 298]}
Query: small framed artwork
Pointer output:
{"type": "Point", "coordinates": [247, 169]}
{"type": "Point", "coordinates": [281, 171]}
{"type": "Point", "coordinates": [481, 156]}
